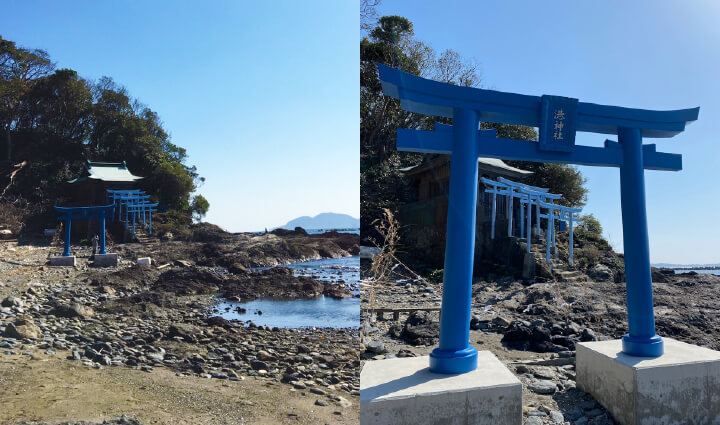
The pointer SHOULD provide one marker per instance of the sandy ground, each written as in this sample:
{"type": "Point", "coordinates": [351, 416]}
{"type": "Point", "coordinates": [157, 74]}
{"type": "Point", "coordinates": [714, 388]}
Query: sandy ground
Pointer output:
{"type": "Point", "coordinates": [49, 388]}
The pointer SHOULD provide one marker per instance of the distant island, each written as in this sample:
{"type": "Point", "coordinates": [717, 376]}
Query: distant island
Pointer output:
{"type": "Point", "coordinates": [324, 221]}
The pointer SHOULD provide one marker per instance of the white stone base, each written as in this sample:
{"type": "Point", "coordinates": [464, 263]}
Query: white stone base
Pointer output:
{"type": "Point", "coordinates": [680, 387]}
{"type": "Point", "coordinates": [106, 260]}
{"type": "Point", "coordinates": [144, 260]}
{"type": "Point", "coordinates": [403, 391]}
{"type": "Point", "coordinates": [62, 261]}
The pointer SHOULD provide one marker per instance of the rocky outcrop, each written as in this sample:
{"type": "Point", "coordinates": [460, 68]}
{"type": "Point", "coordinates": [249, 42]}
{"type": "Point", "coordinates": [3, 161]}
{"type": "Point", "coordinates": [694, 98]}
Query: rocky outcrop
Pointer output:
{"type": "Point", "coordinates": [600, 273]}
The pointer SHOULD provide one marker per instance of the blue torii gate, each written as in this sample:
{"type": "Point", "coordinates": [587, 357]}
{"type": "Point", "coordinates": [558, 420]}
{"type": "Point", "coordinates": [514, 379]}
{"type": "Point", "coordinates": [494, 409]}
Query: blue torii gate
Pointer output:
{"type": "Point", "coordinates": [68, 214]}
{"type": "Point", "coordinates": [141, 208]}
{"type": "Point", "coordinates": [124, 198]}
{"type": "Point", "coordinates": [558, 119]}
{"type": "Point", "coordinates": [567, 215]}
{"type": "Point", "coordinates": [129, 202]}
{"type": "Point", "coordinates": [531, 195]}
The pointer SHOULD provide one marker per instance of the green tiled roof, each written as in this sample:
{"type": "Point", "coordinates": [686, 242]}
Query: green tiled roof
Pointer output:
{"type": "Point", "coordinates": [107, 171]}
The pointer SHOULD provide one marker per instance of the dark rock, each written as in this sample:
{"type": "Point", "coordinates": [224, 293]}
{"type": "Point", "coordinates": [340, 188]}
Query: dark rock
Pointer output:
{"type": "Point", "coordinates": [421, 329]}
{"type": "Point", "coordinates": [218, 321]}
{"type": "Point", "coordinates": [12, 302]}
{"type": "Point", "coordinates": [188, 281]}
{"type": "Point", "coordinates": [259, 365]}
{"type": "Point", "coordinates": [73, 310]}
{"type": "Point", "coordinates": [588, 335]}
{"type": "Point", "coordinates": [542, 386]}
{"type": "Point", "coordinates": [540, 334]}
{"type": "Point", "coordinates": [601, 273]}
{"type": "Point", "coordinates": [183, 330]}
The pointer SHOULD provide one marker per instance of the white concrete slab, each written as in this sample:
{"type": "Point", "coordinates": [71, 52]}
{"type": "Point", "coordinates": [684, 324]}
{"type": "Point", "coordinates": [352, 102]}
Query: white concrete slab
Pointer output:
{"type": "Point", "coordinates": [106, 260]}
{"type": "Point", "coordinates": [60, 261]}
{"type": "Point", "coordinates": [680, 387]}
{"type": "Point", "coordinates": [144, 260]}
{"type": "Point", "coordinates": [403, 391]}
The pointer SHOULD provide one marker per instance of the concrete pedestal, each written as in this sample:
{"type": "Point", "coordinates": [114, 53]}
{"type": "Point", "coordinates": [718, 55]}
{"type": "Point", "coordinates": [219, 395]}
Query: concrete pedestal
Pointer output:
{"type": "Point", "coordinates": [528, 271]}
{"type": "Point", "coordinates": [106, 260]}
{"type": "Point", "coordinates": [680, 387]}
{"type": "Point", "coordinates": [62, 261]}
{"type": "Point", "coordinates": [404, 391]}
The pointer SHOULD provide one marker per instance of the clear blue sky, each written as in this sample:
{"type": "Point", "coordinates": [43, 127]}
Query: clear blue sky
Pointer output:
{"type": "Point", "coordinates": [643, 54]}
{"type": "Point", "coordinates": [263, 94]}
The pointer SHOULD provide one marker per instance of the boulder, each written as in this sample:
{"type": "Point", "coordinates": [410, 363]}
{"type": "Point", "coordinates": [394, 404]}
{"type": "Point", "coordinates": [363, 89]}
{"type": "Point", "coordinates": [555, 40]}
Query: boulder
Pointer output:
{"type": "Point", "coordinates": [421, 329]}
{"type": "Point", "coordinates": [12, 302]}
{"type": "Point", "coordinates": [542, 386]}
{"type": "Point", "coordinates": [183, 330]}
{"type": "Point", "coordinates": [259, 365]}
{"type": "Point", "coordinates": [72, 310]}
{"type": "Point", "coordinates": [588, 335]}
{"type": "Point", "coordinates": [601, 273]}
{"type": "Point", "coordinates": [375, 347]}
{"type": "Point", "coordinates": [23, 328]}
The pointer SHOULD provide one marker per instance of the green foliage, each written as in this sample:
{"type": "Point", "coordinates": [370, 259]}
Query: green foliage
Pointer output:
{"type": "Point", "coordinates": [383, 185]}
{"type": "Point", "coordinates": [392, 43]}
{"type": "Point", "coordinates": [587, 257]}
{"type": "Point", "coordinates": [55, 120]}
{"type": "Point", "coordinates": [199, 207]}
{"type": "Point", "coordinates": [590, 225]}
{"type": "Point", "coordinates": [588, 233]}
{"type": "Point", "coordinates": [436, 276]}
{"type": "Point", "coordinates": [176, 222]}
{"type": "Point", "coordinates": [562, 179]}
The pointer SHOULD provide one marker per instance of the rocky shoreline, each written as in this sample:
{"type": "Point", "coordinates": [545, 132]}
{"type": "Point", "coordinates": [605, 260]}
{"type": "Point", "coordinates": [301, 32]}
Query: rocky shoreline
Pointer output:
{"type": "Point", "coordinates": [143, 318]}
{"type": "Point", "coordinates": [533, 327]}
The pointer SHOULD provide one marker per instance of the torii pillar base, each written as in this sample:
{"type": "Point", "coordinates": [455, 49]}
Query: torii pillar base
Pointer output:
{"type": "Point", "coordinates": [106, 260]}
{"type": "Point", "coordinates": [62, 261]}
{"type": "Point", "coordinates": [679, 387]}
{"type": "Point", "coordinates": [403, 391]}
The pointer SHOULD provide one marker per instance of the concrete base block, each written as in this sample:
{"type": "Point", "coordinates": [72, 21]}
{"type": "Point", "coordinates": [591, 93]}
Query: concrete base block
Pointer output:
{"type": "Point", "coordinates": [403, 391]}
{"type": "Point", "coordinates": [680, 387]}
{"type": "Point", "coordinates": [528, 271]}
{"type": "Point", "coordinates": [106, 260]}
{"type": "Point", "coordinates": [61, 261]}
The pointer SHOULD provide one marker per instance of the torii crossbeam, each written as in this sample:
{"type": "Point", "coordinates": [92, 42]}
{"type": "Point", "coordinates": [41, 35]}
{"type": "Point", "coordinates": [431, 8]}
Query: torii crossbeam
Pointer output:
{"type": "Point", "coordinates": [558, 119]}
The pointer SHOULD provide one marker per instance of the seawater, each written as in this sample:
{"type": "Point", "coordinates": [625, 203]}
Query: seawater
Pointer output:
{"type": "Point", "coordinates": [355, 230]}
{"type": "Point", "coordinates": [700, 271]}
{"type": "Point", "coordinates": [322, 312]}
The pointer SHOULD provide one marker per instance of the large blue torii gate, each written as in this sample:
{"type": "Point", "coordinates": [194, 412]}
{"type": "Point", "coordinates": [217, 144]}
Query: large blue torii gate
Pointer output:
{"type": "Point", "coordinates": [68, 214]}
{"type": "Point", "coordinates": [558, 119]}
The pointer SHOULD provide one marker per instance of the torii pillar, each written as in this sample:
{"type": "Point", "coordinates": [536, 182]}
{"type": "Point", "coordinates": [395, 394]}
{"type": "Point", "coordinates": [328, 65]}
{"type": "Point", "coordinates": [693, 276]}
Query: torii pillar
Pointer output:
{"type": "Point", "coordinates": [454, 354]}
{"type": "Point", "coordinates": [641, 340]}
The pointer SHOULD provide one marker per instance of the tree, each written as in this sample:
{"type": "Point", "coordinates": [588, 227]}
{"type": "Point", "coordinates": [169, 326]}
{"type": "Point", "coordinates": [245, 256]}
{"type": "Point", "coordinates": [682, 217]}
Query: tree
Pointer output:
{"type": "Point", "coordinates": [19, 69]}
{"type": "Point", "coordinates": [392, 42]}
{"type": "Point", "coordinates": [56, 120]}
{"type": "Point", "coordinates": [368, 14]}
{"type": "Point", "coordinates": [590, 225]}
{"type": "Point", "coordinates": [199, 207]}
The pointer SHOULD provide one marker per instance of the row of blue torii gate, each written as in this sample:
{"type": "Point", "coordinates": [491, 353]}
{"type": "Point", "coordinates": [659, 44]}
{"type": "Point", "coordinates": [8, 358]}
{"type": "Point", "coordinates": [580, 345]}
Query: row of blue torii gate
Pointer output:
{"type": "Point", "coordinates": [134, 203]}
{"type": "Point", "coordinates": [541, 199]}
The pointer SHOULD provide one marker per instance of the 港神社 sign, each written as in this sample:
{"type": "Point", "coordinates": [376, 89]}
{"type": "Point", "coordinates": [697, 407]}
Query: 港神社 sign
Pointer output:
{"type": "Point", "coordinates": [557, 124]}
